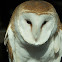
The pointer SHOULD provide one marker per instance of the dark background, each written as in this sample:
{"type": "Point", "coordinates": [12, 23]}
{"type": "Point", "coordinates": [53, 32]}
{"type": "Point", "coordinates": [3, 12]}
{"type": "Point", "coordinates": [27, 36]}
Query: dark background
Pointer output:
{"type": "Point", "coordinates": [6, 10]}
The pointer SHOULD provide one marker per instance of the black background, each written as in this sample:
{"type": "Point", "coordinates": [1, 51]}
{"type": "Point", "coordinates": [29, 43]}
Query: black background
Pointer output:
{"type": "Point", "coordinates": [6, 10]}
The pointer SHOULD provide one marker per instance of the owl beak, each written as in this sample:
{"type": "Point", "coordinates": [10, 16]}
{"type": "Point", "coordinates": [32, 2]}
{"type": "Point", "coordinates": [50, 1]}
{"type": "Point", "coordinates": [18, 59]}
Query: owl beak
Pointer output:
{"type": "Point", "coordinates": [36, 39]}
{"type": "Point", "coordinates": [36, 33]}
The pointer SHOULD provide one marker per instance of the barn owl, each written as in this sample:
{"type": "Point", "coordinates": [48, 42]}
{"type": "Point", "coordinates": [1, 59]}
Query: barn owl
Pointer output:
{"type": "Point", "coordinates": [34, 33]}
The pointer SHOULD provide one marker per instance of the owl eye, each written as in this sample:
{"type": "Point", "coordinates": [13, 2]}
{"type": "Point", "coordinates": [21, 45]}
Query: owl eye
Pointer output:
{"type": "Point", "coordinates": [44, 23]}
{"type": "Point", "coordinates": [28, 22]}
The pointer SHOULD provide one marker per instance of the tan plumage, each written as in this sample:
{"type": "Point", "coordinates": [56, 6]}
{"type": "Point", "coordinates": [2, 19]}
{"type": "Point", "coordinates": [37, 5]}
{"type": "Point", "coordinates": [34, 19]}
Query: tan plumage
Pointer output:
{"type": "Point", "coordinates": [15, 41]}
{"type": "Point", "coordinates": [10, 51]}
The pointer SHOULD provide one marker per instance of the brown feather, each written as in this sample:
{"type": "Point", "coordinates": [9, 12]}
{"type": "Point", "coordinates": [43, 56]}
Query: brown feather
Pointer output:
{"type": "Point", "coordinates": [10, 51]}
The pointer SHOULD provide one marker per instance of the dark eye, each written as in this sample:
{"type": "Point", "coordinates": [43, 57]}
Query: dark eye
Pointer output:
{"type": "Point", "coordinates": [29, 22]}
{"type": "Point", "coordinates": [44, 23]}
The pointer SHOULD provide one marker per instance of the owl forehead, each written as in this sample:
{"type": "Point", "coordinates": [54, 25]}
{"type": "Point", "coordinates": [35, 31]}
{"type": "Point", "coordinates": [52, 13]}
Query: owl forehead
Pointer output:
{"type": "Point", "coordinates": [36, 16]}
{"type": "Point", "coordinates": [38, 7]}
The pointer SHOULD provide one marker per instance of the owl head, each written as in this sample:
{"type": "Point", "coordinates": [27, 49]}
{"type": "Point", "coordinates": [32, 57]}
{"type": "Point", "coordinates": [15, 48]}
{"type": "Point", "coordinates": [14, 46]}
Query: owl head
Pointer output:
{"type": "Point", "coordinates": [34, 22]}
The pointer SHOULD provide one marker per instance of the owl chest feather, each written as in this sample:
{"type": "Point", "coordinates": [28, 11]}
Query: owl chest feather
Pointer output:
{"type": "Point", "coordinates": [34, 54]}
{"type": "Point", "coordinates": [31, 53]}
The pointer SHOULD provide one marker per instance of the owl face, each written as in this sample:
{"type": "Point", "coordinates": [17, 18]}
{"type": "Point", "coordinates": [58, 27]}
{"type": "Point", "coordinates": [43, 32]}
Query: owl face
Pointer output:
{"type": "Point", "coordinates": [34, 22]}
{"type": "Point", "coordinates": [36, 29]}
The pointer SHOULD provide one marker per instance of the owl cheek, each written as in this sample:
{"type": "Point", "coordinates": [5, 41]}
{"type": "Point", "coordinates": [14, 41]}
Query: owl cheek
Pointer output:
{"type": "Point", "coordinates": [26, 33]}
{"type": "Point", "coordinates": [45, 34]}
